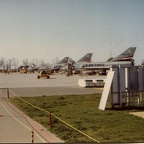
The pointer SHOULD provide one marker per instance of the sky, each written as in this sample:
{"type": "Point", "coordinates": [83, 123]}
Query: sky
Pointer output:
{"type": "Point", "coordinates": [46, 29]}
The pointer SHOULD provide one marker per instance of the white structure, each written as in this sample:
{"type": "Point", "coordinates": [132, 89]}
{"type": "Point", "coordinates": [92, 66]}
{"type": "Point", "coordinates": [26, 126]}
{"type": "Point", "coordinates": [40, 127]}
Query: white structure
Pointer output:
{"type": "Point", "coordinates": [91, 82]}
{"type": "Point", "coordinates": [125, 88]}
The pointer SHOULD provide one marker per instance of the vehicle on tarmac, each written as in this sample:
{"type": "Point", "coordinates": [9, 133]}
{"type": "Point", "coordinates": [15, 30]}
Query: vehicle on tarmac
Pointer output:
{"type": "Point", "coordinates": [43, 74]}
{"type": "Point", "coordinates": [23, 70]}
{"type": "Point", "coordinates": [6, 71]}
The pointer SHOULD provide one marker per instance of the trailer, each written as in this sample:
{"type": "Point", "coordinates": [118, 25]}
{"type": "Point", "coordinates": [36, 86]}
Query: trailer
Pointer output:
{"type": "Point", "coordinates": [43, 74]}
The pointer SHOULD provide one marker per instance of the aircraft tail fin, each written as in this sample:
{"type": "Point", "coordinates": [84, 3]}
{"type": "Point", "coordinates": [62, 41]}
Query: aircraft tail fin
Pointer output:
{"type": "Point", "coordinates": [71, 61]}
{"type": "Point", "coordinates": [86, 58]}
{"type": "Point", "coordinates": [64, 60]}
{"type": "Point", "coordinates": [127, 55]}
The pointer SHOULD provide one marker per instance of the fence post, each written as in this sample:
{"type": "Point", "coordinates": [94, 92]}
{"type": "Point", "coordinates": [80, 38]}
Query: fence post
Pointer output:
{"type": "Point", "coordinates": [50, 120]}
{"type": "Point", "coordinates": [32, 136]}
{"type": "Point", "coordinates": [8, 93]}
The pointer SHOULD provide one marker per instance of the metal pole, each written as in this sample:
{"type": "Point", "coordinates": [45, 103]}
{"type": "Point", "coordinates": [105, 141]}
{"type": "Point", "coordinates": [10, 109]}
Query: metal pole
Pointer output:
{"type": "Point", "coordinates": [50, 120]}
{"type": "Point", "coordinates": [119, 83]}
{"type": "Point", "coordinates": [8, 92]}
{"type": "Point", "coordinates": [32, 136]}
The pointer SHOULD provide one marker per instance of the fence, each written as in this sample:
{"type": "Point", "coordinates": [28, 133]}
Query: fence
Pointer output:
{"type": "Point", "coordinates": [50, 115]}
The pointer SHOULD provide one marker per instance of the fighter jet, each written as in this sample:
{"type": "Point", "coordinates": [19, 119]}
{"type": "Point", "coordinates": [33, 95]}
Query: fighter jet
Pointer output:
{"type": "Point", "coordinates": [124, 59]}
{"type": "Point", "coordinates": [71, 63]}
{"type": "Point", "coordinates": [60, 64]}
{"type": "Point", "coordinates": [55, 67]}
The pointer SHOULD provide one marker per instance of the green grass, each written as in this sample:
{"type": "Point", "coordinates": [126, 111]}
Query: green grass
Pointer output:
{"type": "Point", "coordinates": [81, 111]}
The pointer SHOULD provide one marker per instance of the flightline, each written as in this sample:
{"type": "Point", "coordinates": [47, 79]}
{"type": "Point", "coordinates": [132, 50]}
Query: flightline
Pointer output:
{"type": "Point", "coordinates": [56, 118]}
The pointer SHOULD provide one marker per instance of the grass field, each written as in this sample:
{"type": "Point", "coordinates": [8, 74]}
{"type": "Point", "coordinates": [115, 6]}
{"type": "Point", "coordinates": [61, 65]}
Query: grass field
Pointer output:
{"type": "Point", "coordinates": [81, 112]}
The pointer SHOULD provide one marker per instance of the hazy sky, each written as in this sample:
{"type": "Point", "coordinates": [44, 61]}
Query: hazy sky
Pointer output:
{"type": "Point", "coordinates": [45, 29]}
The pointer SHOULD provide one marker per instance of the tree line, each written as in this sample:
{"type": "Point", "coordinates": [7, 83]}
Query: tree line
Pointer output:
{"type": "Point", "coordinates": [14, 63]}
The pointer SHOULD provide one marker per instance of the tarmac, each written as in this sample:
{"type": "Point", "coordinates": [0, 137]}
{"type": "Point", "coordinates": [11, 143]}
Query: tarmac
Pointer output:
{"type": "Point", "coordinates": [16, 127]}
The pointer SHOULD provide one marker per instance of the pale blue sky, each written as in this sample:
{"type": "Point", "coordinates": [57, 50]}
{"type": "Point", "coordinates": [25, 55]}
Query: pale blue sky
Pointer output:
{"type": "Point", "coordinates": [45, 29]}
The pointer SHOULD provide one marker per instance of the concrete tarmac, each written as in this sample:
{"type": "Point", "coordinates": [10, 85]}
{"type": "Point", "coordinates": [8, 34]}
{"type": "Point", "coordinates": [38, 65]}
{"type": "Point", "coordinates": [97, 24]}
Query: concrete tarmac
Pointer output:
{"type": "Point", "coordinates": [15, 126]}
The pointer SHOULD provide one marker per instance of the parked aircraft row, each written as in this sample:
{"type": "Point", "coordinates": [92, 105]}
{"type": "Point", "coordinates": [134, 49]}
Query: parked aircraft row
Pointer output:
{"type": "Point", "coordinates": [124, 59]}
{"type": "Point", "coordinates": [56, 67]}
{"type": "Point", "coordinates": [84, 64]}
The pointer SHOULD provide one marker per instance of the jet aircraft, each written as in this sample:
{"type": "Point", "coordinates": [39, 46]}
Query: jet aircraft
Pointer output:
{"type": "Point", "coordinates": [60, 64]}
{"type": "Point", "coordinates": [124, 59]}
{"type": "Point", "coordinates": [28, 68]}
{"type": "Point", "coordinates": [32, 68]}
{"type": "Point", "coordinates": [55, 67]}
{"type": "Point", "coordinates": [71, 63]}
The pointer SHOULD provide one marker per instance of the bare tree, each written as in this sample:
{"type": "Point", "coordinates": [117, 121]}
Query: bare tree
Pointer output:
{"type": "Point", "coordinates": [56, 60]}
{"type": "Point", "coordinates": [14, 63]}
{"type": "Point", "coordinates": [142, 63]}
{"type": "Point", "coordinates": [25, 62]}
{"type": "Point", "coordinates": [3, 62]}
